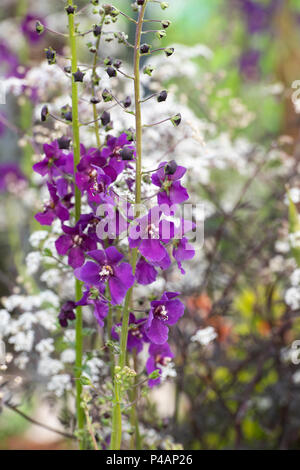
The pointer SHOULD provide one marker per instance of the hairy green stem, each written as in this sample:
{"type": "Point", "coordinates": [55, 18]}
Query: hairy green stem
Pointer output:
{"type": "Point", "coordinates": [78, 289]}
{"type": "Point", "coordinates": [116, 437]}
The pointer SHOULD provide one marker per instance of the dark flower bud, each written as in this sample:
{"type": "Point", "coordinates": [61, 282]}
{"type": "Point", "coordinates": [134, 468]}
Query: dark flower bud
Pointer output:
{"type": "Point", "coordinates": [114, 12]}
{"type": "Point", "coordinates": [95, 2]}
{"type": "Point", "coordinates": [117, 63]}
{"type": "Point", "coordinates": [108, 61]}
{"type": "Point", "coordinates": [127, 153]}
{"type": "Point", "coordinates": [68, 116]}
{"type": "Point", "coordinates": [106, 95]}
{"type": "Point", "coordinates": [50, 55]}
{"type": "Point", "coordinates": [70, 9]}
{"type": "Point", "coordinates": [145, 48]}
{"type": "Point", "coordinates": [94, 100]}
{"type": "Point", "coordinates": [108, 9]}
{"type": "Point", "coordinates": [148, 70]}
{"type": "Point", "coordinates": [165, 24]}
{"type": "Point", "coordinates": [162, 96]}
{"type": "Point", "coordinates": [170, 168]}
{"type": "Point", "coordinates": [39, 27]}
{"type": "Point", "coordinates": [64, 142]}
{"type": "Point", "coordinates": [140, 2]}
{"type": "Point", "coordinates": [93, 49]}
{"type": "Point", "coordinates": [161, 34]}
{"type": "Point", "coordinates": [67, 313]}
{"type": "Point", "coordinates": [164, 5]}
{"type": "Point", "coordinates": [169, 51]}
{"type": "Point", "coordinates": [67, 69]}
{"type": "Point", "coordinates": [105, 118]}
{"type": "Point", "coordinates": [44, 113]}
{"type": "Point", "coordinates": [176, 120]}
{"type": "Point", "coordinates": [78, 76]}
{"type": "Point", "coordinates": [111, 72]}
{"type": "Point", "coordinates": [127, 102]}
{"type": "Point", "coordinates": [130, 134]}
{"type": "Point", "coordinates": [97, 30]}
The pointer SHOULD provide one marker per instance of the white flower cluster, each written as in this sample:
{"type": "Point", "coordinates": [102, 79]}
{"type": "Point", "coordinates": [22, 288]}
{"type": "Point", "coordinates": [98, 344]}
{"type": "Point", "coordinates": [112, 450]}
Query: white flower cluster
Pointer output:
{"type": "Point", "coordinates": [205, 336]}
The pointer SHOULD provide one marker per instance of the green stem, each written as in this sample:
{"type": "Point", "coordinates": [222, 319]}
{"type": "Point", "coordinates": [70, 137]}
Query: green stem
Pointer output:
{"type": "Point", "coordinates": [78, 289]}
{"type": "Point", "coordinates": [97, 133]}
{"type": "Point", "coordinates": [116, 437]}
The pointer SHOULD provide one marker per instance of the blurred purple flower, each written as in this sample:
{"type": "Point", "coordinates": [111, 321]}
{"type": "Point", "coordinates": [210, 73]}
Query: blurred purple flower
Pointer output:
{"type": "Point", "coordinates": [12, 178]}
{"type": "Point", "coordinates": [160, 355]}
{"type": "Point", "coordinates": [28, 27]}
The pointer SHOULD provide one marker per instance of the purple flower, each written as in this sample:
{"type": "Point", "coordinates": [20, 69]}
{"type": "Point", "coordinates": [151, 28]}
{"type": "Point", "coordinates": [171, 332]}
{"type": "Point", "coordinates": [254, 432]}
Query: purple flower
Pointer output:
{"type": "Point", "coordinates": [167, 179]}
{"type": "Point", "coordinates": [92, 297]}
{"type": "Point", "coordinates": [10, 62]}
{"type": "Point", "coordinates": [107, 267]}
{"type": "Point", "coordinates": [149, 234]}
{"type": "Point", "coordinates": [160, 355]}
{"type": "Point", "coordinates": [182, 250]}
{"type": "Point", "coordinates": [257, 15]}
{"type": "Point", "coordinates": [75, 242]}
{"type": "Point", "coordinates": [136, 333]}
{"type": "Point", "coordinates": [56, 161]}
{"type": "Point", "coordinates": [28, 27]}
{"type": "Point", "coordinates": [165, 311]}
{"type": "Point", "coordinates": [249, 64]}
{"type": "Point", "coordinates": [91, 178]}
{"type": "Point", "coordinates": [145, 273]}
{"type": "Point", "coordinates": [67, 313]}
{"type": "Point", "coordinates": [52, 209]}
{"type": "Point", "coordinates": [111, 152]}
{"type": "Point", "coordinates": [11, 178]}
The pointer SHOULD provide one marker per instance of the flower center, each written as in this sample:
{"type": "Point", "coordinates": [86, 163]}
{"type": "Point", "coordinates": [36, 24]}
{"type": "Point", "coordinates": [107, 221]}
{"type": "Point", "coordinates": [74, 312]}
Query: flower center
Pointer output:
{"type": "Point", "coordinates": [137, 333]}
{"type": "Point", "coordinates": [161, 313]}
{"type": "Point", "coordinates": [77, 239]}
{"type": "Point", "coordinates": [162, 360]}
{"type": "Point", "coordinates": [153, 231]}
{"type": "Point", "coordinates": [106, 272]}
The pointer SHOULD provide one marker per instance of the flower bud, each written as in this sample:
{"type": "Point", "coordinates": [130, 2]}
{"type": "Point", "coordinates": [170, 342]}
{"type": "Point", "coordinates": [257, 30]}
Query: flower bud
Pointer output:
{"type": "Point", "coordinates": [164, 5]}
{"type": "Point", "coordinates": [50, 55]}
{"type": "Point", "coordinates": [148, 70]}
{"type": "Point", "coordinates": [176, 120]}
{"type": "Point", "coordinates": [95, 2]}
{"type": "Point", "coordinates": [105, 118]}
{"type": "Point", "coordinates": [67, 69]}
{"type": "Point", "coordinates": [111, 72]}
{"type": "Point", "coordinates": [140, 2]}
{"type": "Point", "coordinates": [162, 96]}
{"type": "Point", "coordinates": [78, 76]}
{"type": "Point", "coordinates": [117, 63]}
{"type": "Point", "coordinates": [127, 153]}
{"type": "Point", "coordinates": [108, 61]}
{"type": "Point", "coordinates": [130, 134]}
{"type": "Point", "coordinates": [160, 34]}
{"type": "Point", "coordinates": [64, 142]}
{"type": "Point", "coordinates": [107, 8]}
{"type": "Point", "coordinates": [165, 24]}
{"type": "Point", "coordinates": [145, 48]}
{"type": "Point", "coordinates": [94, 100]}
{"type": "Point", "coordinates": [135, 6]}
{"type": "Point", "coordinates": [127, 102]}
{"type": "Point", "coordinates": [107, 96]}
{"type": "Point", "coordinates": [170, 168]}
{"type": "Point", "coordinates": [169, 51]}
{"type": "Point", "coordinates": [44, 113]}
{"type": "Point", "coordinates": [97, 29]}
{"type": "Point", "coordinates": [39, 27]}
{"type": "Point", "coordinates": [70, 9]}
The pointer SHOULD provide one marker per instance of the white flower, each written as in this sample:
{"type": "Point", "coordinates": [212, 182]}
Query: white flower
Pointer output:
{"type": "Point", "coordinates": [292, 297]}
{"type": "Point", "coordinates": [295, 278]}
{"type": "Point", "coordinates": [294, 239]}
{"type": "Point", "coordinates": [51, 277]}
{"type": "Point", "coordinates": [50, 298]}
{"type": "Point", "coordinates": [33, 261]}
{"type": "Point", "coordinates": [59, 384]}
{"type": "Point", "coordinates": [37, 237]}
{"type": "Point", "coordinates": [21, 361]}
{"type": "Point", "coordinates": [68, 356]}
{"type": "Point", "coordinates": [69, 336]}
{"type": "Point", "coordinates": [23, 341]}
{"type": "Point", "coordinates": [296, 377]}
{"type": "Point", "coordinates": [205, 336]}
{"type": "Point", "coordinates": [45, 347]}
{"type": "Point", "coordinates": [168, 371]}
{"type": "Point", "coordinates": [282, 246]}
{"type": "Point", "coordinates": [4, 323]}
{"type": "Point", "coordinates": [49, 366]}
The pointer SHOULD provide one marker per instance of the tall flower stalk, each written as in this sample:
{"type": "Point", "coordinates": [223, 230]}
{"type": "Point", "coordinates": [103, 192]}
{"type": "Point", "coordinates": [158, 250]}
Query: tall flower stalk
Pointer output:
{"type": "Point", "coordinates": [76, 151]}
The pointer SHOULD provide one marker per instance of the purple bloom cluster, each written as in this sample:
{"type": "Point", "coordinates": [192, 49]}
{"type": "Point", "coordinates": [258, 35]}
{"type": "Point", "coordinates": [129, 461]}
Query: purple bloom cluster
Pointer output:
{"type": "Point", "coordinates": [98, 263]}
